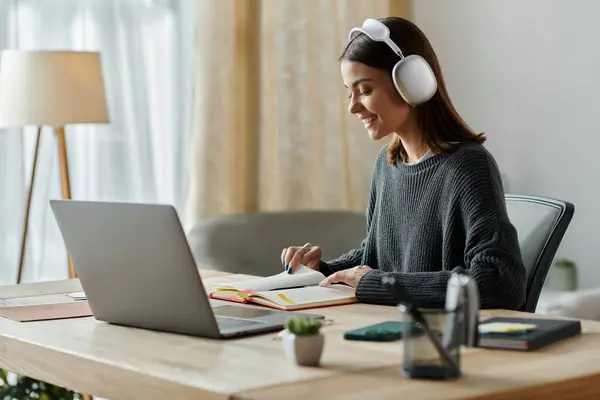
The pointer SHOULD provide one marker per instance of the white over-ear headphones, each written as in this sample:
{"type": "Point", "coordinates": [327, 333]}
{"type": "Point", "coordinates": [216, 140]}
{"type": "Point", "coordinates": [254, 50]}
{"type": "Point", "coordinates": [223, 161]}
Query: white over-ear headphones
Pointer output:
{"type": "Point", "coordinates": [412, 76]}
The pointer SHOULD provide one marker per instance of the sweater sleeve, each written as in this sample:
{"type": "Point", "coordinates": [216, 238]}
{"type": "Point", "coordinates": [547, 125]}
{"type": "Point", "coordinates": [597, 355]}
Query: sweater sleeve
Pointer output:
{"type": "Point", "coordinates": [348, 260]}
{"type": "Point", "coordinates": [491, 255]}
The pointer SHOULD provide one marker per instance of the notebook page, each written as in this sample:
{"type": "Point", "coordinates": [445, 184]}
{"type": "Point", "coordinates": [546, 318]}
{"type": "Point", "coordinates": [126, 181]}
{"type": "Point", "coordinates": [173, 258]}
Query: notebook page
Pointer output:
{"type": "Point", "coordinates": [304, 276]}
{"type": "Point", "coordinates": [308, 295]}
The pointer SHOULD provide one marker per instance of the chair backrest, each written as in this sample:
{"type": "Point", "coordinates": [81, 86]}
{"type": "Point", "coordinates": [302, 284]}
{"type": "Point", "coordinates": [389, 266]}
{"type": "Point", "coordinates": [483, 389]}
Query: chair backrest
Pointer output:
{"type": "Point", "coordinates": [541, 223]}
{"type": "Point", "coordinates": [252, 243]}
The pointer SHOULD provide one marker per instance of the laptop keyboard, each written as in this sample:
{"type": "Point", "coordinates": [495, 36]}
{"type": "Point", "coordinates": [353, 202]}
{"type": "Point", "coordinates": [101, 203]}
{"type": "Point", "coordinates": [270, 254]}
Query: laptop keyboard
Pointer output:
{"type": "Point", "coordinates": [226, 323]}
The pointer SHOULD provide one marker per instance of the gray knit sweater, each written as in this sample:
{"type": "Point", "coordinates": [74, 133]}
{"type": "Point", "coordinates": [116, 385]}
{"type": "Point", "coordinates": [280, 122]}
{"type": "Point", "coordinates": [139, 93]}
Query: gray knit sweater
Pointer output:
{"type": "Point", "coordinates": [424, 221]}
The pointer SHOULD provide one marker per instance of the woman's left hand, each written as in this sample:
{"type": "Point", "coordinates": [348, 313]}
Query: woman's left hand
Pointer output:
{"type": "Point", "coordinates": [349, 276]}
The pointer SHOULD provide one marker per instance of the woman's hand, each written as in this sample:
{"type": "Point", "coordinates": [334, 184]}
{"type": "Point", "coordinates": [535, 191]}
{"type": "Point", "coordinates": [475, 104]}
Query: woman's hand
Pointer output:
{"type": "Point", "coordinates": [350, 276]}
{"type": "Point", "coordinates": [308, 255]}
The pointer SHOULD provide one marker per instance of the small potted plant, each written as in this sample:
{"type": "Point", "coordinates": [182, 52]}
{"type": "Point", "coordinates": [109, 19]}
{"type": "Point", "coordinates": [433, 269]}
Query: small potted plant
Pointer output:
{"type": "Point", "coordinates": [303, 341]}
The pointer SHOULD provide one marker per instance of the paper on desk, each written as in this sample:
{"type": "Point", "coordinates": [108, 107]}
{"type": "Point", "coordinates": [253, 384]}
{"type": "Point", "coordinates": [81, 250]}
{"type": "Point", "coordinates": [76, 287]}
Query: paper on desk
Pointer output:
{"type": "Point", "coordinates": [77, 295]}
{"type": "Point", "coordinates": [42, 312]}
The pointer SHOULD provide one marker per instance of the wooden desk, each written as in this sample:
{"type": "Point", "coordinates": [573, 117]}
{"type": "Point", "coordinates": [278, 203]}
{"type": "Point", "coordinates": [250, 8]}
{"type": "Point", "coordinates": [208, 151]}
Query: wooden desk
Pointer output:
{"type": "Point", "coordinates": [123, 363]}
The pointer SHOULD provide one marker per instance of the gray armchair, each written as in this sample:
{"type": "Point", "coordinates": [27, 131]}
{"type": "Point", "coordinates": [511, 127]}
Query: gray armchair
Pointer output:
{"type": "Point", "coordinates": [541, 223]}
{"type": "Point", "coordinates": [252, 243]}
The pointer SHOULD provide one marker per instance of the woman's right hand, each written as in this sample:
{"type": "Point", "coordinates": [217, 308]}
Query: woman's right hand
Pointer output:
{"type": "Point", "coordinates": [293, 257]}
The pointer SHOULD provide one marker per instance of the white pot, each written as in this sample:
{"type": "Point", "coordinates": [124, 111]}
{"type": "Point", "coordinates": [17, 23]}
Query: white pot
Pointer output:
{"type": "Point", "coordinates": [304, 350]}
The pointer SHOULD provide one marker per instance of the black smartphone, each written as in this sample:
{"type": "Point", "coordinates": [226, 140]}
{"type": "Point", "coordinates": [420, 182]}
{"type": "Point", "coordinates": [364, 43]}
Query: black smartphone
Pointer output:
{"type": "Point", "coordinates": [382, 332]}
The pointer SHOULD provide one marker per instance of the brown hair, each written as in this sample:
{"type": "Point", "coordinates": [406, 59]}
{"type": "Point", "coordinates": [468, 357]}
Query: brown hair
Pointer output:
{"type": "Point", "coordinates": [438, 119]}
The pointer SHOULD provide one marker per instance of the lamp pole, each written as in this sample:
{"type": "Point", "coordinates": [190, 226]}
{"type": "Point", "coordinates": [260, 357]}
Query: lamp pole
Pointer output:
{"type": "Point", "coordinates": [28, 207]}
{"type": "Point", "coordinates": [64, 178]}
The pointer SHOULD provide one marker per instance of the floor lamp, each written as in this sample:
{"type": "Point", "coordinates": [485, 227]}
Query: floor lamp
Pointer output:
{"type": "Point", "coordinates": [54, 89]}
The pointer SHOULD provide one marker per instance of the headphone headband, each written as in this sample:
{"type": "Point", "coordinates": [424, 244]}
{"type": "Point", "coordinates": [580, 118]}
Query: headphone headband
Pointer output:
{"type": "Point", "coordinates": [378, 32]}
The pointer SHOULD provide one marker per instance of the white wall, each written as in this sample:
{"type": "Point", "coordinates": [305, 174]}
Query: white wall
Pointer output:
{"type": "Point", "coordinates": [528, 74]}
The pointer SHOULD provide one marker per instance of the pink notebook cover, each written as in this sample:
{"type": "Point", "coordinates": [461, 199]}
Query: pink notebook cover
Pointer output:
{"type": "Point", "coordinates": [43, 312]}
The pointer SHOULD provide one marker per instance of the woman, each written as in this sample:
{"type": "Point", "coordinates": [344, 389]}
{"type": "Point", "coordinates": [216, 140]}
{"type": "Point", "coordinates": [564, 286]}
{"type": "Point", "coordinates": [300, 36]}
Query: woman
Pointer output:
{"type": "Point", "coordinates": [436, 204]}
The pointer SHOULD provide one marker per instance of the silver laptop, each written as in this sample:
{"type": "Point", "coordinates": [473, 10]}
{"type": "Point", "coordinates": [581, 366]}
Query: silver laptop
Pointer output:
{"type": "Point", "coordinates": [136, 269]}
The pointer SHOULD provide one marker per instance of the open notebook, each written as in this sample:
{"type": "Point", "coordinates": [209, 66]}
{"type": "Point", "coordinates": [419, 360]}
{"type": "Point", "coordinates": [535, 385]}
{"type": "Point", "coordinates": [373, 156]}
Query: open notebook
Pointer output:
{"type": "Point", "coordinates": [286, 292]}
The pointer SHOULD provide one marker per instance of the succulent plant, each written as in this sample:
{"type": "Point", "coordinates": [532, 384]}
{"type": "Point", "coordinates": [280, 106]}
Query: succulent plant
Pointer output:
{"type": "Point", "coordinates": [303, 326]}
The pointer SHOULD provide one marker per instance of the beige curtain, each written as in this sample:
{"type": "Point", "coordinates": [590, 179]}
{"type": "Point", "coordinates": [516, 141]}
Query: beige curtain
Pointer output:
{"type": "Point", "coordinates": [271, 129]}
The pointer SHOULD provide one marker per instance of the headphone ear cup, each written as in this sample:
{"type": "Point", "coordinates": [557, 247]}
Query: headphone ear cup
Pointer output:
{"type": "Point", "coordinates": [414, 80]}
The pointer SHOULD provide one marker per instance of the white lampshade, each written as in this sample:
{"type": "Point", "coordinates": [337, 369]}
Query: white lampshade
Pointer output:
{"type": "Point", "coordinates": [54, 88]}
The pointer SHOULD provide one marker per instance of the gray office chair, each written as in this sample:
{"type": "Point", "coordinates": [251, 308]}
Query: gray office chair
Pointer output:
{"type": "Point", "coordinates": [541, 223]}
{"type": "Point", "coordinates": [251, 243]}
